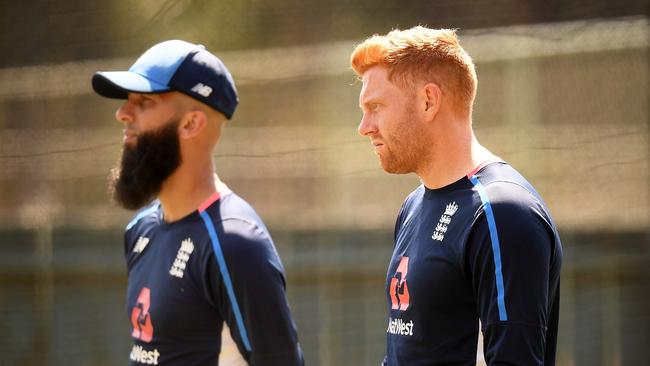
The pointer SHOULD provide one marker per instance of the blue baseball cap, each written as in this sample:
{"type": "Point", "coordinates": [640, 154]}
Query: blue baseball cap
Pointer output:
{"type": "Point", "coordinates": [174, 66]}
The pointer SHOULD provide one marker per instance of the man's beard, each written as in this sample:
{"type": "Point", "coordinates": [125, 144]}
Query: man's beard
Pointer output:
{"type": "Point", "coordinates": [138, 176]}
{"type": "Point", "coordinates": [406, 148]}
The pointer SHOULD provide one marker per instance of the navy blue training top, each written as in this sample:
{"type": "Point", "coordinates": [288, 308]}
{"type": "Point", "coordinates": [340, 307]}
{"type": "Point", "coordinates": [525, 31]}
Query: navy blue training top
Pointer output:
{"type": "Point", "coordinates": [187, 278]}
{"type": "Point", "coordinates": [484, 247]}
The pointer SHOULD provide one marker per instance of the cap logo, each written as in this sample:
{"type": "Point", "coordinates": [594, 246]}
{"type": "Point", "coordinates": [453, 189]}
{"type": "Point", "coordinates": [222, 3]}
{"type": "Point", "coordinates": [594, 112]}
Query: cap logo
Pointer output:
{"type": "Point", "coordinates": [202, 90]}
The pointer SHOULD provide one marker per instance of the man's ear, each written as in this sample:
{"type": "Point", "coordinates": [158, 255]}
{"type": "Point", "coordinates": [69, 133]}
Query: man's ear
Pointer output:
{"type": "Point", "coordinates": [192, 123]}
{"type": "Point", "coordinates": [432, 99]}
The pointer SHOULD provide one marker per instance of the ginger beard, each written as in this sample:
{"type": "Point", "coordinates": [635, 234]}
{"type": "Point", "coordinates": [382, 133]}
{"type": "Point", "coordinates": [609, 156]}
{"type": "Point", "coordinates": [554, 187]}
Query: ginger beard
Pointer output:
{"type": "Point", "coordinates": [139, 174]}
{"type": "Point", "coordinates": [405, 147]}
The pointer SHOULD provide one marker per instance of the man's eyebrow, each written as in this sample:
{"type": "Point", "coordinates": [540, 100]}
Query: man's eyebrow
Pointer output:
{"type": "Point", "coordinates": [369, 100]}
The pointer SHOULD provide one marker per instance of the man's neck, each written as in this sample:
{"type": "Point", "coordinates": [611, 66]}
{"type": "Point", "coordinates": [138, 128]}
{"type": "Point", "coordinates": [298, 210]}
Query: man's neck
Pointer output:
{"type": "Point", "coordinates": [453, 159]}
{"type": "Point", "coordinates": [185, 190]}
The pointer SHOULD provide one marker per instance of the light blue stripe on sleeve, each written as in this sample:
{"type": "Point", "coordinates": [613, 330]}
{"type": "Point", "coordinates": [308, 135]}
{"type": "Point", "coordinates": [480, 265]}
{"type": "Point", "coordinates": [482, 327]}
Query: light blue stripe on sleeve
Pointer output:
{"type": "Point", "coordinates": [496, 250]}
{"type": "Point", "coordinates": [226, 278]}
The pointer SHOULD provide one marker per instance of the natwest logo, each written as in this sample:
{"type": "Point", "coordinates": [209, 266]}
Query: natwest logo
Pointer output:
{"type": "Point", "coordinates": [140, 317]}
{"type": "Point", "coordinates": [141, 355]}
{"type": "Point", "coordinates": [399, 290]}
{"type": "Point", "coordinates": [400, 327]}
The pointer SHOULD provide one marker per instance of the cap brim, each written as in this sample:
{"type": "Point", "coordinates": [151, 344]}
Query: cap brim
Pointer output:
{"type": "Point", "coordinates": [118, 84]}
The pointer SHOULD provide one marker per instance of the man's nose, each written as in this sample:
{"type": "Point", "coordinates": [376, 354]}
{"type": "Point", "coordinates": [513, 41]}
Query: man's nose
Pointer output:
{"type": "Point", "coordinates": [124, 113]}
{"type": "Point", "coordinates": [366, 126]}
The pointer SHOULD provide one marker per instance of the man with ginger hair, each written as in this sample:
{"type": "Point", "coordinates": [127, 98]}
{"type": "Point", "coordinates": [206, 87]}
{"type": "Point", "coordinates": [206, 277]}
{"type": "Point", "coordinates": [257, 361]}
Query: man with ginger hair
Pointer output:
{"type": "Point", "coordinates": [475, 241]}
{"type": "Point", "coordinates": [203, 271]}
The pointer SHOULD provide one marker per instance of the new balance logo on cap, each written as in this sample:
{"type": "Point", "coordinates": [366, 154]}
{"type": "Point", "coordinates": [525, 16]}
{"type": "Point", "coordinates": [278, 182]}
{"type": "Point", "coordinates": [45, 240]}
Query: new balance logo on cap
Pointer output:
{"type": "Point", "coordinates": [203, 90]}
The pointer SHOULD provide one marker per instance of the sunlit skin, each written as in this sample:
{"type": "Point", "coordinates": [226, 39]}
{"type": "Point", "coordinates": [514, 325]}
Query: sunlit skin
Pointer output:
{"type": "Point", "coordinates": [390, 122]}
{"type": "Point", "coordinates": [199, 130]}
{"type": "Point", "coordinates": [414, 129]}
{"type": "Point", "coordinates": [144, 112]}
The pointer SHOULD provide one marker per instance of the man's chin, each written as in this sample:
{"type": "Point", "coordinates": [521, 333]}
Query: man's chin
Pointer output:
{"type": "Point", "coordinates": [393, 168]}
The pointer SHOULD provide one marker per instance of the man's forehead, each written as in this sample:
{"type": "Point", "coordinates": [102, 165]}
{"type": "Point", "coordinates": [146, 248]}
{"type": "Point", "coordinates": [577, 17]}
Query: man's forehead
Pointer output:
{"type": "Point", "coordinates": [138, 95]}
{"type": "Point", "coordinates": [375, 74]}
{"type": "Point", "coordinates": [158, 95]}
{"type": "Point", "coordinates": [170, 97]}
{"type": "Point", "coordinates": [375, 82]}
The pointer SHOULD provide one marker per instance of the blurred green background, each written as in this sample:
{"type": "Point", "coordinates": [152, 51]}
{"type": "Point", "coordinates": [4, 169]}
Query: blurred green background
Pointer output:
{"type": "Point", "coordinates": [563, 96]}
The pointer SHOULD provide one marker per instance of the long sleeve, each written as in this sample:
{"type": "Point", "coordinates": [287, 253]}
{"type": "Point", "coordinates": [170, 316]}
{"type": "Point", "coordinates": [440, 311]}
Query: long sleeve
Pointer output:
{"type": "Point", "coordinates": [509, 255]}
{"type": "Point", "coordinates": [252, 300]}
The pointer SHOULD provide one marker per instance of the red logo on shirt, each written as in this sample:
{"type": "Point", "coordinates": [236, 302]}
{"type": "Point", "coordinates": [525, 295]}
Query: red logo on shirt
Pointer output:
{"type": "Point", "coordinates": [140, 318]}
{"type": "Point", "coordinates": [399, 290]}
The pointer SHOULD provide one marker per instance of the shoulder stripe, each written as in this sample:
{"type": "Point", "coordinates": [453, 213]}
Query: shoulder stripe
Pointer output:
{"type": "Point", "coordinates": [483, 165]}
{"type": "Point", "coordinates": [212, 199]}
{"type": "Point", "coordinates": [496, 250]}
{"type": "Point", "coordinates": [142, 214]}
{"type": "Point", "coordinates": [216, 245]}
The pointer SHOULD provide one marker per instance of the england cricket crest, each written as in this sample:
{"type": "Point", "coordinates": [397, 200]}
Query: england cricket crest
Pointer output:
{"type": "Point", "coordinates": [443, 223]}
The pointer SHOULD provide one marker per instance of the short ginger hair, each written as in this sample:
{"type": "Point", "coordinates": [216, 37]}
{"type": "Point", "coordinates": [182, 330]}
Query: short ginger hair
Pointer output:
{"type": "Point", "coordinates": [419, 55]}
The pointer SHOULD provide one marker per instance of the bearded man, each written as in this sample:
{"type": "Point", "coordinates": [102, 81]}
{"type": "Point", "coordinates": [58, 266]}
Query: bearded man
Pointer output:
{"type": "Point", "coordinates": [200, 260]}
{"type": "Point", "coordinates": [474, 241]}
